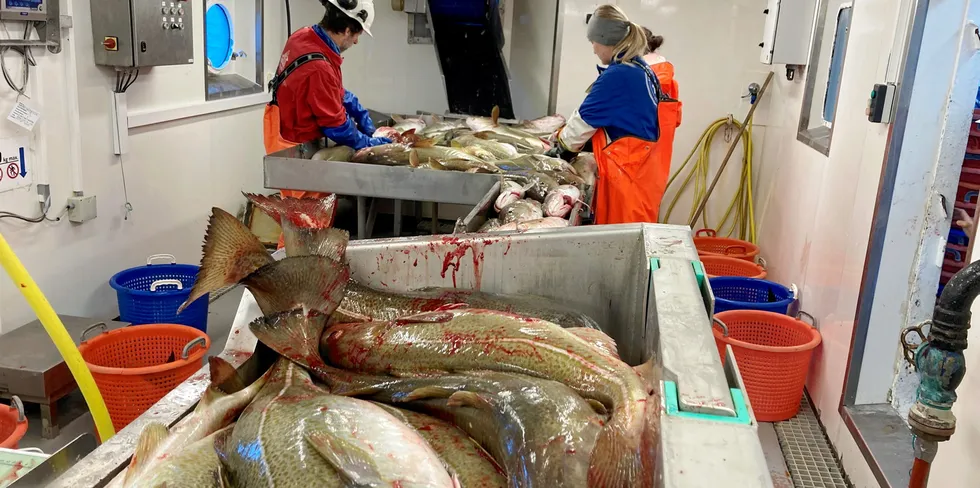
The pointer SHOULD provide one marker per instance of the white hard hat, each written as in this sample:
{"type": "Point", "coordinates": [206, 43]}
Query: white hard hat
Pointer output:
{"type": "Point", "coordinates": [360, 10]}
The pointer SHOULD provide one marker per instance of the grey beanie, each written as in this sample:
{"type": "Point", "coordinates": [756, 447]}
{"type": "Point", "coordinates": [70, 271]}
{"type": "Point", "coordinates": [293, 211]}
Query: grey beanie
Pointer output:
{"type": "Point", "coordinates": [607, 32]}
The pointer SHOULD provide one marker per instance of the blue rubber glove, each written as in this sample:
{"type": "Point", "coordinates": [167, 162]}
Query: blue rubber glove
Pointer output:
{"type": "Point", "coordinates": [348, 135]}
{"type": "Point", "coordinates": [360, 114]}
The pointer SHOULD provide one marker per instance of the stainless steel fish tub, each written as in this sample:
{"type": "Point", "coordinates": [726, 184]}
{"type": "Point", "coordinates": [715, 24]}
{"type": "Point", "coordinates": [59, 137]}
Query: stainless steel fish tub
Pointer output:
{"type": "Point", "coordinates": [642, 283]}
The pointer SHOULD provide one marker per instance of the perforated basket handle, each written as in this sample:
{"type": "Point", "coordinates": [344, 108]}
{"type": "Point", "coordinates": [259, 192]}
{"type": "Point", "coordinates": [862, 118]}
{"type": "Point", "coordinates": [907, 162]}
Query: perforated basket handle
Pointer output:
{"type": "Point", "coordinates": [105, 328]}
{"type": "Point", "coordinates": [762, 262]}
{"type": "Point", "coordinates": [169, 257]}
{"type": "Point", "coordinates": [158, 283]}
{"type": "Point", "coordinates": [812, 322]}
{"type": "Point", "coordinates": [735, 250]}
{"type": "Point", "coordinates": [706, 233]}
{"type": "Point", "coordinates": [19, 405]}
{"type": "Point", "coordinates": [186, 353]}
{"type": "Point", "coordinates": [722, 325]}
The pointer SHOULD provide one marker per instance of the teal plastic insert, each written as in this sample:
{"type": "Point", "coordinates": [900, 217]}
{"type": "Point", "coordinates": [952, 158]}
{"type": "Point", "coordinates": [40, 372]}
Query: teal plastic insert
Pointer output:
{"type": "Point", "coordinates": [741, 409]}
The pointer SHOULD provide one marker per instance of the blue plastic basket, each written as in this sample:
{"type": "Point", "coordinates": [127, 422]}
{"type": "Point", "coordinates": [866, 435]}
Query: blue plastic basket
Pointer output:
{"type": "Point", "coordinates": [736, 293]}
{"type": "Point", "coordinates": [151, 294]}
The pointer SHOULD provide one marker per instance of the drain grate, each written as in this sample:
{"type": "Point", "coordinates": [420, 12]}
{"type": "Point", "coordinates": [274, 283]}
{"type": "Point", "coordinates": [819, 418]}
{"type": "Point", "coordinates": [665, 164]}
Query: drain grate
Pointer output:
{"type": "Point", "coordinates": [811, 460]}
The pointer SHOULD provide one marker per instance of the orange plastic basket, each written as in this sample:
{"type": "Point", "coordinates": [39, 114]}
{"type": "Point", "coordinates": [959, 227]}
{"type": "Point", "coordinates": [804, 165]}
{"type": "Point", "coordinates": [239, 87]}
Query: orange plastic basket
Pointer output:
{"type": "Point", "coordinates": [708, 243]}
{"type": "Point", "coordinates": [725, 266]}
{"type": "Point", "coordinates": [13, 424]}
{"type": "Point", "coordinates": [773, 354]}
{"type": "Point", "coordinates": [134, 367]}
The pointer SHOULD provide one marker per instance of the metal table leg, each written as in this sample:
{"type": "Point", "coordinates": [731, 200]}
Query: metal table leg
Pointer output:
{"type": "Point", "coordinates": [435, 218]}
{"type": "Point", "coordinates": [49, 420]}
{"type": "Point", "coordinates": [371, 217]}
{"type": "Point", "coordinates": [361, 217]}
{"type": "Point", "coordinates": [397, 226]}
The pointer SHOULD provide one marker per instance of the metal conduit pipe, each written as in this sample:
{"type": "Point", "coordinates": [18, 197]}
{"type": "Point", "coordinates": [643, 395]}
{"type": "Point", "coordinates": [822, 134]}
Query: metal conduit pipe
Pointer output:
{"type": "Point", "coordinates": [941, 366]}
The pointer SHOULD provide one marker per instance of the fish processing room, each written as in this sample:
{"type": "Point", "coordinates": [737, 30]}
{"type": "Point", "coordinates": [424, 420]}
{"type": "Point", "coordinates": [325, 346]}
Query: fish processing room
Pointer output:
{"type": "Point", "coordinates": [489, 243]}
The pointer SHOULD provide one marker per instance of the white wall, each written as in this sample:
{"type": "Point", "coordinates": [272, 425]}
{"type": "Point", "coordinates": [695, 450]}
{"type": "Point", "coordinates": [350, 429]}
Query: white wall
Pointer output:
{"type": "Point", "coordinates": [817, 211]}
{"type": "Point", "coordinates": [532, 48]}
{"type": "Point", "coordinates": [714, 46]}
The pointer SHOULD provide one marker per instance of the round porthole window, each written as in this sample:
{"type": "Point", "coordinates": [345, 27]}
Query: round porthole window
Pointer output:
{"type": "Point", "coordinates": [220, 41]}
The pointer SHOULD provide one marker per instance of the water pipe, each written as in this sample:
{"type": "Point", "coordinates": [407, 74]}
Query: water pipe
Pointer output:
{"type": "Point", "coordinates": [56, 330]}
{"type": "Point", "coordinates": [941, 365]}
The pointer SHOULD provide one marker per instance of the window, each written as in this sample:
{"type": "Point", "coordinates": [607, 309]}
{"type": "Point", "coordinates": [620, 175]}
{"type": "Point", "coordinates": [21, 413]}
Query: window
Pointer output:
{"type": "Point", "coordinates": [827, 53]}
{"type": "Point", "coordinates": [233, 50]}
{"type": "Point", "coordinates": [836, 64]}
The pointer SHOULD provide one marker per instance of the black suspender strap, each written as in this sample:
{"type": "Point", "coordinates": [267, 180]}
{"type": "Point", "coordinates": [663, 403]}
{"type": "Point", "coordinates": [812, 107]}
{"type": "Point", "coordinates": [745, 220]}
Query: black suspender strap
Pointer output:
{"type": "Point", "coordinates": [300, 61]}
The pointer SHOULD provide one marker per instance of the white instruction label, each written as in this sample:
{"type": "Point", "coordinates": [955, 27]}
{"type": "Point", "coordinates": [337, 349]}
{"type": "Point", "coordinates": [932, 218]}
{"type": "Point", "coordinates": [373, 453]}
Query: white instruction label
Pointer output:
{"type": "Point", "coordinates": [15, 167]}
{"type": "Point", "coordinates": [24, 116]}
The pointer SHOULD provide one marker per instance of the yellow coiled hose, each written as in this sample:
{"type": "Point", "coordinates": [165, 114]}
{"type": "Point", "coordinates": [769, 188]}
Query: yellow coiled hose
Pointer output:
{"type": "Point", "coordinates": [56, 330]}
{"type": "Point", "coordinates": [740, 215]}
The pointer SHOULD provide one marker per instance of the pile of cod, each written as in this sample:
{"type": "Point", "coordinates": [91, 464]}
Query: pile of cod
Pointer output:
{"type": "Point", "coordinates": [435, 388]}
{"type": "Point", "coordinates": [538, 192]}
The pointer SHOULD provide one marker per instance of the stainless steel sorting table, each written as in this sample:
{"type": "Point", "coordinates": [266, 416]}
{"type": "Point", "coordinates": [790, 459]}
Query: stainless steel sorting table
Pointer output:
{"type": "Point", "coordinates": [644, 285]}
{"type": "Point", "coordinates": [292, 169]}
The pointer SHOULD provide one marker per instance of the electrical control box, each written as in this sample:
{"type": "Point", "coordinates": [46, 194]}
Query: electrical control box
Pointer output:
{"type": "Point", "coordinates": [142, 33]}
{"type": "Point", "coordinates": [33, 10]}
{"type": "Point", "coordinates": [789, 24]}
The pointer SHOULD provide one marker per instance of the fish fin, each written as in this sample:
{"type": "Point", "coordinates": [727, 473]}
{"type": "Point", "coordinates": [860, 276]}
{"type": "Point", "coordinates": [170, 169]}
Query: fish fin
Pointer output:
{"type": "Point", "coordinates": [153, 434]}
{"type": "Point", "coordinates": [436, 165]}
{"type": "Point", "coordinates": [397, 118]}
{"type": "Point", "coordinates": [649, 375]}
{"type": "Point", "coordinates": [485, 135]}
{"type": "Point", "coordinates": [311, 282]}
{"type": "Point", "coordinates": [597, 406]}
{"type": "Point", "coordinates": [425, 143]}
{"type": "Point", "coordinates": [495, 114]}
{"type": "Point", "coordinates": [616, 458]}
{"type": "Point", "coordinates": [413, 159]}
{"type": "Point", "coordinates": [597, 339]}
{"type": "Point", "coordinates": [348, 459]}
{"type": "Point", "coordinates": [455, 479]}
{"type": "Point", "coordinates": [329, 242]}
{"type": "Point", "coordinates": [224, 376]}
{"type": "Point", "coordinates": [231, 252]}
{"type": "Point", "coordinates": [468, 399]}
{"type": "Point", "coordinates": [410, 132]}
{"type": "Point", "coordinates": [343, 316]}
{"type": "Point", "coordinates": [442, 315]}
{"type": "Point", "coordinates": [426, 393]}
{"type": "Point", "coordinates": [307, 212]}
{"type": "Point", "coordinates": [296, 336]}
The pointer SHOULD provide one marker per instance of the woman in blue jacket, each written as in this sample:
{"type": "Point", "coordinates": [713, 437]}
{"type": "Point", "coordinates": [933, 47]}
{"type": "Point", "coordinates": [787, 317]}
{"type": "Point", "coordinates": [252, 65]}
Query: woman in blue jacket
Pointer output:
{"type": "Point", "coordinates": [619, 117]}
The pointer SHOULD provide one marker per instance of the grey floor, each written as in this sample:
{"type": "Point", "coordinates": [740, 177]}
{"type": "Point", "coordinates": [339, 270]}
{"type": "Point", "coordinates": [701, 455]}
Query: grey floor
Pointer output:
{"type": "Point", "coordinates": [776, 439]}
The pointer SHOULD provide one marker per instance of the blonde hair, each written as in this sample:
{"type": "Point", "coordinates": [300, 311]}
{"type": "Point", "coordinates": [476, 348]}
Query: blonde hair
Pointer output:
{"type": "Point", "coordinates": [635, 42]}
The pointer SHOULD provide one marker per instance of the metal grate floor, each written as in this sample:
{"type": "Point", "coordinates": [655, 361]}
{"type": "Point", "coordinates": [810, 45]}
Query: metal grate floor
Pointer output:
{"type": "Point", "coordinates": [811, 460]}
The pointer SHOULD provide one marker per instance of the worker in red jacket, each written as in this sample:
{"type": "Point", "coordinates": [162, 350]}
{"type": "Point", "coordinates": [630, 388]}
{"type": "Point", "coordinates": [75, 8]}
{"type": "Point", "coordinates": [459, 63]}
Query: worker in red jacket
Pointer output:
{"type": "Point", "coordinates": [308, 96]}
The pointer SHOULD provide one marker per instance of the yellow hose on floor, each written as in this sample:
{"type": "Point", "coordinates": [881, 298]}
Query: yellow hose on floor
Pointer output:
{"type": "Point", "coordinates": [56, 330]}
{"type": "Point", "coordinates": [740, 215]}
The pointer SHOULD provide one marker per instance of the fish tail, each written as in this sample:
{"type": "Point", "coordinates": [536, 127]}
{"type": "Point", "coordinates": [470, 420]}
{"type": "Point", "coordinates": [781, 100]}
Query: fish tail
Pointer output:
{"type": "Point", "coordinates": [150, 439]}
{"type": "Point", "coordinates": [224, 376]}
{"type": "Point", "coordinates": [231, 252]}
{"type": "Point", "coordinates": [329, 242]}
{"type": "Point", "coordinates": [317, 213]}
{"type": "Point", "coordinates": [616, 459]}
{"type": "Point", "coordinates": [296, 336]}
{"type": "Point", "coordinates": [310, 282]}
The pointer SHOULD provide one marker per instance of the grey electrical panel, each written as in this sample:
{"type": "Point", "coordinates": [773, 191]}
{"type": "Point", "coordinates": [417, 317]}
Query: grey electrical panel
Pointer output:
{"type": "Point", "coordinates": [142, 33]}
